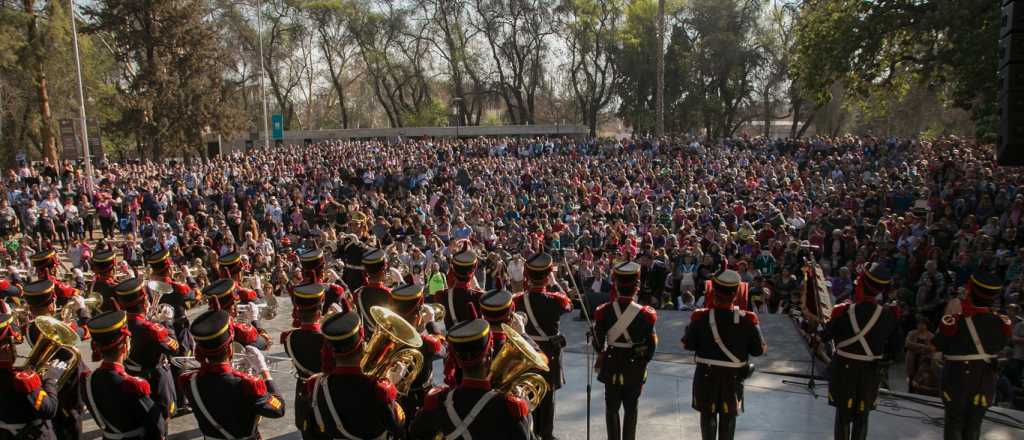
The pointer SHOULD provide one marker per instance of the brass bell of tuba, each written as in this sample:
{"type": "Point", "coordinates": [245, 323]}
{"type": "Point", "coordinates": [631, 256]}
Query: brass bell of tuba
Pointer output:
{"type": "Point", "coordinates": [393, 347]}
{"type": "Point", "coordinates": [56, 342]}
{"type": "Point", "coordinates": [514, 369]}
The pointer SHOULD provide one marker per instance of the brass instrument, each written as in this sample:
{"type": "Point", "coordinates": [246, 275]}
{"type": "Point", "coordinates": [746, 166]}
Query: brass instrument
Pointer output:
{"type": "Point", "coordinates": [56, 342]}
{"type": "Point", "coordinates": [158, 311]}
{"type": "Point", "coordinates": [514, 369]}
{"type": "Point", "coordinates": [425, 311]}
{"type": "Point", "coordinates": [238, 362]}
{"type": "Point", "coordinates": [92, 301]}
{"type": "Point", "coordinates": [393, 347]}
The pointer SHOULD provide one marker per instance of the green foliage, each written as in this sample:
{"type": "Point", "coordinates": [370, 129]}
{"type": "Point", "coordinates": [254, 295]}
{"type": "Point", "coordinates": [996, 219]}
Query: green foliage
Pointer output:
{"type": "Point", "coordinates": [882, 47]}
{"type": "Point", "coordinates": [432, 115]}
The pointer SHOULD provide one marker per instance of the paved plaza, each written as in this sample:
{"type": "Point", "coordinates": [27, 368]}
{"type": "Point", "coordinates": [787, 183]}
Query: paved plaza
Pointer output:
{"type": "Point", "coordinates": [774, 410]}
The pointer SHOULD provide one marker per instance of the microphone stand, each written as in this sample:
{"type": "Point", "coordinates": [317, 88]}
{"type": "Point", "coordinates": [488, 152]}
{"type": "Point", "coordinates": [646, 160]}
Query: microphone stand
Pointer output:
{"type": "Point", "coordinates": [590, 334]}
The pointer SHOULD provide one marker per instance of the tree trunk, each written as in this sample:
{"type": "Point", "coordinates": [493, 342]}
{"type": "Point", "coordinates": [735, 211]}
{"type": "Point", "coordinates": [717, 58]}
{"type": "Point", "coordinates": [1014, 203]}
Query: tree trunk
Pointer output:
{"type": "Point", "coordinates": [659, 93]}
{"type": "Point", "coordinates": [49, 144]}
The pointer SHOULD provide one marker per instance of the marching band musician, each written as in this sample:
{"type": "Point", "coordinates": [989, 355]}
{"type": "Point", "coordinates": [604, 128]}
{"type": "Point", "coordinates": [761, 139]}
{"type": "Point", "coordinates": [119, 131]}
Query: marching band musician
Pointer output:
{"type": "Point", "coordinates": [625, 339]}
{"type": "Point", "coordinates": [969, 342]}
{"type": "Point", "coordinates": [723, 337]}
{"type": "Point", "coordinates": [46, 263]}
{"type": "Point", "coordinates": [544, 308]}
{"type": "Point", "coordinates": [305, 344]}
{"type": "Point", "coordinates": [352, 253]}
{"type": "Point", "coordinates": [866, 336]}
{"type": "Point", "coordinates": [472, 409]}
{"type": "Point", "coordinates": [150, 345]}
{"type": "Point", "coordinates": [41, 298]}
{"type": "Point", "coordinates": [177, 299]}
{"type": "Point", "coordinates": [103, 263]}
{"type": "Point", "coordinates": [462, 294]}
{"type": "Point", "coordinates": [312, 262]}
{"type": "Point", "coordinates": [227, 403]}
{"type": "Point", "coordinates": [30, 402]}
{"type": "Point", "coordinates": [230, 264]}
{"type": "Point", "coordinates": [223, 295]}
{"type": "Point", "coordinates": [374, 292]}
{"type": "Point", "coordinates": [119, 403]}
{"type": "Point", "coordinates": [8, 292]}
{"type": "Point", "coordinates": [335, 414]}
{"type": "Point", "coordinates": [497, 308]}
{"type": "Point", "coordinates": [407, 302]}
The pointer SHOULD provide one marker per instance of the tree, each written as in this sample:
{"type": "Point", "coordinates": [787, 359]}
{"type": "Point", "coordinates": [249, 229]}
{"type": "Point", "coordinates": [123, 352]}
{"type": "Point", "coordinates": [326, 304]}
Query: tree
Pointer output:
{"type": "Point", "coordinates": [172, 87]}
{"type": "Point", "coordinates": [516, 34]}
{"type": "Point", "coordinates": [590, 29]}
{"type": "Point", "coordinates": [659, 93]}
{"type": "Point", "coordinates": [634, 60]}
{"type": "Point", "coordinates": [882, 48]}
{"type": "Point", "coordinates": [725, 59]}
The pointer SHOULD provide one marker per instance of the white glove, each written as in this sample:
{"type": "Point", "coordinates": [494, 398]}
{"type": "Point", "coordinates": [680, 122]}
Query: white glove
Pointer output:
{"type": "Point", "coordinates": [164, 313]}
{"type": "Point", "coordinates": [428, 314]}
{"type": "Point", "coordinates": [335, 308]}
{"type": "Point", "coordinates": [79, 302]}
{"type": "Point", "coordinates": [257, 362]}
{"type": "Point", "coordinates": [396, 373]}
{"type": "Point", "coordinates": [519, 323]}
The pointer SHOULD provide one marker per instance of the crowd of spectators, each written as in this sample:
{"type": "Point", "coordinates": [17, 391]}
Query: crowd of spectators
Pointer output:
{"type": "Point", "coordinates": [933, 211]}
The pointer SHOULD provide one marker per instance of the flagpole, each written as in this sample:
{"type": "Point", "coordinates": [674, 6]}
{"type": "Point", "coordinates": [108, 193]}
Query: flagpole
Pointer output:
{"type": "Point", "coordinates": [81, 104]}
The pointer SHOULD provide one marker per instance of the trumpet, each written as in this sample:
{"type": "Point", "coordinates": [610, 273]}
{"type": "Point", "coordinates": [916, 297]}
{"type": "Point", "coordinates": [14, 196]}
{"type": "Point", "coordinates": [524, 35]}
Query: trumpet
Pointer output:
{"type": "Point", "coordinates": [56, 343]}
{"type": "Point", "coordinates": [436, 310]}
{"type": "Point", "coordinates": [514, 369]}
{"type": "Point", "coordinates": [92, 302]}
{"type": "Point", "coordinates": [393, 351]}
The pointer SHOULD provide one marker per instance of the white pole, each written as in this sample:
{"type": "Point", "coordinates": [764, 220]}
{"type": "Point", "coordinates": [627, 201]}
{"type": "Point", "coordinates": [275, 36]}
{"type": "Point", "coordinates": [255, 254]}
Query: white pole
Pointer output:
{"type": "Point", "coordinates": [263, 87]}
{"type": "Point", "coordinates": [81, 103]}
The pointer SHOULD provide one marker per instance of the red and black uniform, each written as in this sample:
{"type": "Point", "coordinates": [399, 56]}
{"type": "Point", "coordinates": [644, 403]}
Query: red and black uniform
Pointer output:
{"type": "Point", "coordinates": [866, 336]}
{"type": "Point", "coordinates": [312, 262]}
{"type": "Point", "coordinates": [223, 295]}
{"type": "Point", "coordinates": [354, 275]}
{"type": "Point", "coordinates": [625, 339]}
{"type": "Point", "coordinates": [46, 263]}
{"type": "Point", "coordinates": [305, 345]}
{"type": "Point", "coordinates": [544, 309]}
{"type": "Point", "coordinates": [68, 421]}
{"type": "Point", "coordinates": [29, 401]}
{"type": "Point", "coordinates": [231, 267]}
{"type": "Point", "coordinates": [119, 403]}
{"type": "Point", "coordinates": [969, 342]}
{"type": "Point", "coordinates": [723, 338]}
{"type": "Point", "coordinates": [226, 402]}
{"type": "Point", "coordinates": [334, 413]}
{"type": "Point", "coordinates": [374, 292]}
{"type": "Point", "coordinates": [103, 266]}
{"type": "Point", "coordinates": [460, 300]}
{"type": "Point", "coordinates": [473, 407]}
{"type": "Point", "coordinates": [407, 301]}
{"type": "Point", "coordinates": [151, 345]}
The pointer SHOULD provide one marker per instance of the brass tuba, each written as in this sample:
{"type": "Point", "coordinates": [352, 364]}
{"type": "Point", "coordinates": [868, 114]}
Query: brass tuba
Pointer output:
{"type": "Point", "coordinates": [56, 341]}
{"type": "Point", "coordinates": [514, 369]}
{"type": "Point", "coordinates": [393, 347]}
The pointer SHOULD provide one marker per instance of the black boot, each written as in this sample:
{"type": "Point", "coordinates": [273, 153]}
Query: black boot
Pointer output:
{"type": "Point", "coordinates": [842, 426]}
{"type": "Point", "coordinates": [953, 426]}
{"type": "Point", "coordinates": [726, 426]}
{"type": "Point", "coordinates": [972, 427]}
{"type": "Point", "coordinates": [708, 426]}
{"type": "Point", "coordinates": [860, 426]}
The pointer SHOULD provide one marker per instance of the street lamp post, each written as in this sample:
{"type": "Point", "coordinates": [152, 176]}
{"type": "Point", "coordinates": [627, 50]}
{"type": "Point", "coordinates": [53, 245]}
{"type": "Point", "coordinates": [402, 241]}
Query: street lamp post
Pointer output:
{"type": "Point", "coordinates": [81, 104]}
{"type": "Point", "coordinates": [263, 87]}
